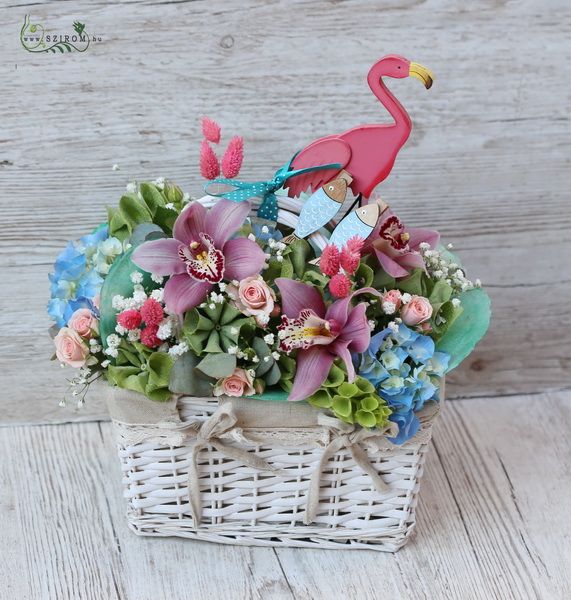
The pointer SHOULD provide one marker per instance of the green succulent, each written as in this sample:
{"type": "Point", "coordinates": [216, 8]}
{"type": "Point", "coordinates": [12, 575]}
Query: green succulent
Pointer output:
{"type": "Point", "coordinates": [355, 402]}
{"type": "Point", "coordinates": [216, 329]}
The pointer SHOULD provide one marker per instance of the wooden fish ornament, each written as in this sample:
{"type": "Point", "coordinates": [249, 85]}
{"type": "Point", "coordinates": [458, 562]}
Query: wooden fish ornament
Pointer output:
{"type": "Point", "coordinates": [360, 222]}
{"type": "Point", "coordinates": [321, 207]}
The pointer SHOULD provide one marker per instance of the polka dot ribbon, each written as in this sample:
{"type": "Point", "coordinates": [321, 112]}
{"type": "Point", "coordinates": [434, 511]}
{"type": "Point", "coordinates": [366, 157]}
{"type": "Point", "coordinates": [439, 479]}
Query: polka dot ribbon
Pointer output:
{"type": "Point", "coordinates": [244, 190]}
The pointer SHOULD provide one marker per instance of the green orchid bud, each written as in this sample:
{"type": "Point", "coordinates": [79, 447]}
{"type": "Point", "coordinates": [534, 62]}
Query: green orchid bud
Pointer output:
{"type": "Point", "coordinates": [172, 193]}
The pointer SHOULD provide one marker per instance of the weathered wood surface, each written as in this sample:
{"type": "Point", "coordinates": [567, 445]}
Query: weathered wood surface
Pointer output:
{"type": "Point", "coordinates": [487, 163]}
{"type": "Point", "coordinates": [493, 522]}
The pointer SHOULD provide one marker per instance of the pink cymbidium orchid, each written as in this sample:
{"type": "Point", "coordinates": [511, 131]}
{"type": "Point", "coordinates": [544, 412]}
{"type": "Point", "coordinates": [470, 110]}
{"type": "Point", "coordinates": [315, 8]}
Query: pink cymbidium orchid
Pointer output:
{"type": "Point", "coordinates": [397, 247]}
{"type": "Point", "coordinates": [201, 253]}
{"type": "Point", "coordinates": [318, 334]}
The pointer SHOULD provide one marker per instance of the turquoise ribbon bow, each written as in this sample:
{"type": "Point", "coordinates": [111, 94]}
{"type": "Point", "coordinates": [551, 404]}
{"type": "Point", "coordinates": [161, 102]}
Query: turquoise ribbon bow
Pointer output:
{"type": "Point", "coordinates": [243, 190]}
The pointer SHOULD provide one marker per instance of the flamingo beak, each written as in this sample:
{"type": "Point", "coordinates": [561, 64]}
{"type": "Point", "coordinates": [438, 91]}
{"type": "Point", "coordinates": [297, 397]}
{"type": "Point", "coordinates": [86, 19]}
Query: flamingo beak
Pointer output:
{"type": "Point", "coordinates": [425, 75]}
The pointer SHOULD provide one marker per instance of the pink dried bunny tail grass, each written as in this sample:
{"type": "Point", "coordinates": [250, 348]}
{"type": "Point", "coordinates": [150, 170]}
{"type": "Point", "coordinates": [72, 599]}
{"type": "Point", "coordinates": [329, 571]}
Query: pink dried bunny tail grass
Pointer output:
{"type": "Point", "coordinates": [329, 263]}
{"type": "Point", "coordinates": [233, 157]}
{"type": "Point", "coordinates": [211, 130]}
{"type": "Point", "coordinates": [209, 165]}
{"type": "Point", "coordinates": [340, 285]}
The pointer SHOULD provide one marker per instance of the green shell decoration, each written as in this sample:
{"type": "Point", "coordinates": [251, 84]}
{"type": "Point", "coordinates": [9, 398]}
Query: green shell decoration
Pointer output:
{"type": "Point", "coordinates": [468, 328]}
{"type": "Point", "coordinates": [118, 282]}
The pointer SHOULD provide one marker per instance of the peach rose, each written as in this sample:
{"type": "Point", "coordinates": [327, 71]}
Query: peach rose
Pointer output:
{"type": "Point", "coordinates": [70, 348]}
{"type": "Point", "coordinates": [240, 383]}
{"type": "Point", "coordinates": [416, 311]}
{"type": "Point", "coordinates": [255, 298]}
{"type": "Point", "coordinates": [84, 322]}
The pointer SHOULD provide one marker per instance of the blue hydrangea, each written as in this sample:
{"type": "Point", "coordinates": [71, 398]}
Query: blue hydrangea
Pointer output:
{"type": "Point", "coordinates": [408, 426]}
{"type": "Point", "coordinates": [75, 281]}
{"type": "Point", "coordinates": [405, 369]}
{"type": "Point", "coordinates": [264, 233]}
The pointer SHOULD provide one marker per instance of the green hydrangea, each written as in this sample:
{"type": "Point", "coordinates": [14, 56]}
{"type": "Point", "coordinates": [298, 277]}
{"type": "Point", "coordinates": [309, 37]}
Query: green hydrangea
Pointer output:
{"type": "Point", "coordinates": [355, 402]}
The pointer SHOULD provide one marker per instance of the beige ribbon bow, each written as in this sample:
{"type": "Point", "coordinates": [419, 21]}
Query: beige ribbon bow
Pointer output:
{"type": "Point", "coordinates": [208, 434]}
{"type": "Point", "coordinates": [345, 436]}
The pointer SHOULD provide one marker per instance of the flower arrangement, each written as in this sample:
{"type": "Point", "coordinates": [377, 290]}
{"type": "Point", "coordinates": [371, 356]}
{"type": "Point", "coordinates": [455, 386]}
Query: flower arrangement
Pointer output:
{"type": "Point", "coordinates": [199, 297]}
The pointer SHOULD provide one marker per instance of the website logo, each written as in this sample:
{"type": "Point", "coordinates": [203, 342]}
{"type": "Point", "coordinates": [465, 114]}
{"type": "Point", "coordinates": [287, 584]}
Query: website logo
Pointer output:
{"type": "Point", "coordinates": [35, 38]}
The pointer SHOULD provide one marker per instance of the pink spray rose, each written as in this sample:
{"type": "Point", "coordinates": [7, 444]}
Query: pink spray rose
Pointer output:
{"type": "Point", "coordinates": [254, 297]}
{"type": "Point", "coordinates": [392, 297]}
{"type": "Point", "coordinates": [70, 348]}
{"type": "Point", "coordinates": [416, 311]}
{"type": "Point", "coordinates": [240, 383]}
{"type": "Point", "coordinates": [84, 322]}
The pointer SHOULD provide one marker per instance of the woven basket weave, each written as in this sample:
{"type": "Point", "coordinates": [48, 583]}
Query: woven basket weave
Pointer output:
{"type": "Point", "coordinates": [241, 505]}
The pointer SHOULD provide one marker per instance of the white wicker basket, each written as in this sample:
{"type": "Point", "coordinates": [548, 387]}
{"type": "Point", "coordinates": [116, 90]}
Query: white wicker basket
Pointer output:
{"type": "Point", "coordinates": [243, 505]}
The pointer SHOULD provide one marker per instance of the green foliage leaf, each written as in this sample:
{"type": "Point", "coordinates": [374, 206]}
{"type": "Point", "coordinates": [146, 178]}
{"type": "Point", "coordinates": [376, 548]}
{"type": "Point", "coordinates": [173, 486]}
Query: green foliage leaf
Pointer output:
{"type": "Point", "coordinates": [299, 255]}
{"type": "Point", "coordinates": [263, 352]}
{"type": "Point", "coordinates": [118, 225]}
{"type": "Point", "coordinates": [146, 231]}
{"type": "Point", "coordinates": [217, 365]}
{"type": "Point", "coordinates": [273, 375]}
{"type": "Point", "coordinates": [152, 197]}
{"type": "Point", "coordinates": [287, 269]}
{"type": "Point", "coordinates": [364, 275]}
{"type": "Point", "coordinates": [130, 378]}
{"type": "Point", "coordinates": [441, 293]}
{"type": "Point", "coordinates": [443, 318]}
{"type": "Point", "coordinates": [273, 271]}
{"type": "Point", "coordinates": [413, 284]}
{"type": "Point", "coordinates": [287, 367]}
{"type": "Point", "coordinates": [159, 366]}
{"type": "Point", "coordinates": [382, 280]}
{"type": "Point", "coordinates": [133, 211]}
{"type": "Point", "coordinates": [185, 379]}
{"type": "Point", "coordinates": [150, 381]}
{"type": "Point", "coordinates": [165, 218]}
{"type": "Point", "coordinates": [315, 278]}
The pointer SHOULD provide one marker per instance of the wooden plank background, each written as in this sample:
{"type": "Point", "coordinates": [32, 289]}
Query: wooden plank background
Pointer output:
{"type": "Point", "coordinates": [487, 163]}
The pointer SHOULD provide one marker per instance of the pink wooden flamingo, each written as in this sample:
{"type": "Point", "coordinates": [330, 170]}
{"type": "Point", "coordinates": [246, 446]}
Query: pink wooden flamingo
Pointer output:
{"type": "Point", "coordinates": [367, 152]}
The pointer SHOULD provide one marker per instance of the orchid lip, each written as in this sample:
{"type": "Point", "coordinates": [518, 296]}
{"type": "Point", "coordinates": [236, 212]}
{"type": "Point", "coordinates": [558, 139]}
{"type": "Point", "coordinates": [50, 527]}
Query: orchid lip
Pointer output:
{"type": "Point", "coordinates": [204, 262]}
{"type": "Point", "coordinates": [307, 330]}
